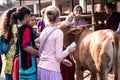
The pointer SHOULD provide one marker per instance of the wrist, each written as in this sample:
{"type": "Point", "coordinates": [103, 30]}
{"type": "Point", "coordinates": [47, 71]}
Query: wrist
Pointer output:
{"type": "Point", "coordinates": [62, 61]}
{"type": "Point", "coordinates": [68, 50]}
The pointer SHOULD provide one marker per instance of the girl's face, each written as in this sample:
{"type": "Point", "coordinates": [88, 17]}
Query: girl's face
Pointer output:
{"type": "Point", "coordinates": [78, 11]}
{"type": "Point", "coordinates": [33, 21]}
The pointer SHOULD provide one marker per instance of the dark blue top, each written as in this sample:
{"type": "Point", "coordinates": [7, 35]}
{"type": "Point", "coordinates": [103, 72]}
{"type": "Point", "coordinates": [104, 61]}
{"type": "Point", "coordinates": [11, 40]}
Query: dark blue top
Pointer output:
{"type": "Point", "coordinates": [112, 21]}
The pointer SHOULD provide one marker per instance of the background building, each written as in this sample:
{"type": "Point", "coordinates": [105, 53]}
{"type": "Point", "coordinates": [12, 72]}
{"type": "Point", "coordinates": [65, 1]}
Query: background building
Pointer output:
{"type": "Point", "coordinates": [64, 5]}
{"type": "Point", "coordinates": [92, 9]}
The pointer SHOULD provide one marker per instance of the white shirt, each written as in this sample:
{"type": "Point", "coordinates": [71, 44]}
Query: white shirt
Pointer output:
{"type": "Point", "coordinates": [52, 53]}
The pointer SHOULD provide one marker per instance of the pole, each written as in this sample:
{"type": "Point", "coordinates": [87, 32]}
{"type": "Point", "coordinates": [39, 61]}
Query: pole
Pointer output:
{"type": "Point", "coordinates": [39, 8]}
{"type": "Point", "coordinates": [20, 2]}
{"type": "Point", "coordinates": [92, 13]}
{"type": "Point", "coordinates": [113, 1]}
{"type": "Point", "coordinates": [72, 4]}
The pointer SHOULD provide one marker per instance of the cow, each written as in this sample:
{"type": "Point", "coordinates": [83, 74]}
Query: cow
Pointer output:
{"type": "Point", "coordinates": [96, 51]}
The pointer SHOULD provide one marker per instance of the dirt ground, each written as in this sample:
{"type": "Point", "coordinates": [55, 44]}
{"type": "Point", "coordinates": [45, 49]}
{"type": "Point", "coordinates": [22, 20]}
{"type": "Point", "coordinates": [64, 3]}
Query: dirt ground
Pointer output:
{"type": "Point", "coordinates": [110, 76]}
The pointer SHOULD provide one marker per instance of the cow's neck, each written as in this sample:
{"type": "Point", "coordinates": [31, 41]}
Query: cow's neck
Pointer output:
{"type": "Point", "coordinates": [82, 34]}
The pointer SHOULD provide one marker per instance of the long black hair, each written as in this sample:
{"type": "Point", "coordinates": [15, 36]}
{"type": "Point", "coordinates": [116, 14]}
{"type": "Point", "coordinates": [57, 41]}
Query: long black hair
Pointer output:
{"type": "Point", "coordinates": [20, 15]}
{"type": "Point", "coordinates": [21, 12]}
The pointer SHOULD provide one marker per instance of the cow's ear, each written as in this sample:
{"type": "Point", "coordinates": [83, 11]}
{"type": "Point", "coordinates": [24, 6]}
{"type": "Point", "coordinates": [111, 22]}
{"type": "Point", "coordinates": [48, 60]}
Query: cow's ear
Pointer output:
{"type": "Point", "coordinates": [75, 30]}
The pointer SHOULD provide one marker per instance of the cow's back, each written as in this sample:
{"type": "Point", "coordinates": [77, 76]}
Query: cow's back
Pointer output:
{"type": "Point", "coordinates": [97, 49]}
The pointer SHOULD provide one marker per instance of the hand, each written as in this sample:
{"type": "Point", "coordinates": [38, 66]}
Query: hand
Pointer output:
{"type": "Point", "coordinates": [78, 16]}
{"type": "Point", "coordinates": [72, 47]}
{"type": "Point", "coordinates": [37, 43]}
{"type": "Point", "coordinates": [67, 62]}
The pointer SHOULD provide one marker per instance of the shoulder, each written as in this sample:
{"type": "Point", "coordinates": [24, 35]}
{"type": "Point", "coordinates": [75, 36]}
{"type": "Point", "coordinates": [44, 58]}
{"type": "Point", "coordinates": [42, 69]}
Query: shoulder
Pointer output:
{"type": "Point", "coordinates": [40, 21]}
{"type": "Point", "coordinates": [58, 32]}
{"type": "Point", "coordinates": [115, 14]}
{"type": "Point", "coordinates": [25, 27]}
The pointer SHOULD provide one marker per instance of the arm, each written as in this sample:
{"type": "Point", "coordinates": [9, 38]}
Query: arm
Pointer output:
{"type": "Point", "coordinates": [66, 62]}
{"type": "Point", "coordinates": [37, 43]}
{"type": "Point", "coordinates": [69, 19]}
{"type": "Point", "coordinates": [31, 50]}
{"type": "Point", "coordinates": [26, 42]}
{"type": "Point", "coordinates": [60, 54]}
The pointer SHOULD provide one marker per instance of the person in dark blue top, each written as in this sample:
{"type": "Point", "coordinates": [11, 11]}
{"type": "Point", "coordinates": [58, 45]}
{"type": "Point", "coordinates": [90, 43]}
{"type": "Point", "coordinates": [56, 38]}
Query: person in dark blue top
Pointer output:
{"type": "Point", "coordinates": [113, 18]}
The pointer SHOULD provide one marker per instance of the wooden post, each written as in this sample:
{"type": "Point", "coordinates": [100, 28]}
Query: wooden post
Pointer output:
{"type": "Point", "coordinates": [20, 3]}
{"type": "Point", "coordinates": [39, 8]}
{"type": "Point", "coordinates": [35, 8]}
{"type": "Point", "coordinates": [72, 3]}
{"type": "Point", "coordinates": [92, 13]}
{"type": "Point", "coordinates": [83, 5]}
{"type": "Point", "coordinates": [55, 3]}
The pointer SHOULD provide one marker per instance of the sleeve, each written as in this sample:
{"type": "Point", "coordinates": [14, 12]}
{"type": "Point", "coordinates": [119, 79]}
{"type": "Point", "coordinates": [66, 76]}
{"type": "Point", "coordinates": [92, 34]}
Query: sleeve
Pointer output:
{"type": "Point", "coordinates": [26, 38]}
{"type": "Point", "coordinates": [69, 19]}
{"type": "Point", "coordinates": [60, 54]}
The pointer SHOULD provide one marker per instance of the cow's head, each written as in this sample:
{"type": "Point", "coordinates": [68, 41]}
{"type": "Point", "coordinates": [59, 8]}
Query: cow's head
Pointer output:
{"type": "Point", "coordinates": [70, 32]}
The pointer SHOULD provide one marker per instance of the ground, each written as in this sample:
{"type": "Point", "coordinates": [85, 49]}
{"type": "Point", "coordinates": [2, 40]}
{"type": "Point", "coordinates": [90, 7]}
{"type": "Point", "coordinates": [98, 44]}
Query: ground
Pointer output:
{"type": "Point", "coordinates": [110, 76]}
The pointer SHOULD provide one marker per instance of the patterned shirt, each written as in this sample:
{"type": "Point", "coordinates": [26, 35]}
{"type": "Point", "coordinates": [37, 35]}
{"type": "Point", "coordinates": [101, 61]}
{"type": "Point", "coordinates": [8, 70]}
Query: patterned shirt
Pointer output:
{"type": "Point", "coordinates": [10, 55]}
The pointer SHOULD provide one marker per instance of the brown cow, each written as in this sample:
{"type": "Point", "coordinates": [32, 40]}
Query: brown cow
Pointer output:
{"type": "Point", "coordinates": [96, 51]}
